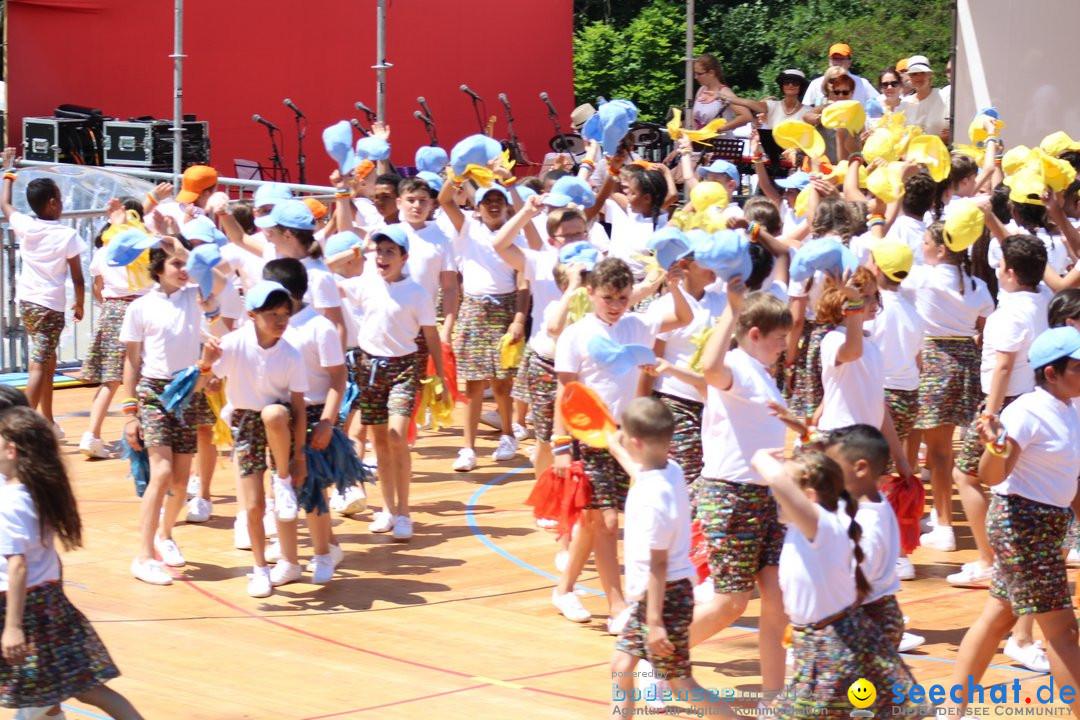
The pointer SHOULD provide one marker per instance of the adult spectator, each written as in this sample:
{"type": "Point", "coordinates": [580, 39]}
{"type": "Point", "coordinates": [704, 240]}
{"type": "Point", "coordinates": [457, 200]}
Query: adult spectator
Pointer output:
{"type": "Point", "coordinates": [839, 56]}
{"type": "Point", "coordinates": [925, 106]}
{"type": "Point", "coordinates": [709, 103]}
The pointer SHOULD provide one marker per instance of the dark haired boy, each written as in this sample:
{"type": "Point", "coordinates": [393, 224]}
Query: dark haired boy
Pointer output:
{"type": "Point", "coordinates": [910, 225]}
{"type": "Point", "coordinates": [50, 252]}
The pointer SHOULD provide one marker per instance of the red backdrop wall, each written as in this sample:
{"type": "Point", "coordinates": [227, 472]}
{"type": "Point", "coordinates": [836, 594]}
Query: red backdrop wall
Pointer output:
{"type": "Point", "coordinates": [245, 57]}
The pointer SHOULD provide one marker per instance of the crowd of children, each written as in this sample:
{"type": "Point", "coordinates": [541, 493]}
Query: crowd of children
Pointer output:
{"type": "Point", "coordinates": [875, 308]}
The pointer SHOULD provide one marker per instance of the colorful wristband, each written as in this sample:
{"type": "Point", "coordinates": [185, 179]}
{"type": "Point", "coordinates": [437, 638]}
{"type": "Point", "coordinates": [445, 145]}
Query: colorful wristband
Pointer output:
{"type": "Point", "coordinates": [152, 198]}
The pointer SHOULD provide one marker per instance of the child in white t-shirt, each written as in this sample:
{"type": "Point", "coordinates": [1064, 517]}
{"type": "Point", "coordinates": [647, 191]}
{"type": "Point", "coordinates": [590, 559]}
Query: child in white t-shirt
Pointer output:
{"type": "Point", "coordinates": [659, 574]}
{"type": "Point", "coordinates": [50, 252]}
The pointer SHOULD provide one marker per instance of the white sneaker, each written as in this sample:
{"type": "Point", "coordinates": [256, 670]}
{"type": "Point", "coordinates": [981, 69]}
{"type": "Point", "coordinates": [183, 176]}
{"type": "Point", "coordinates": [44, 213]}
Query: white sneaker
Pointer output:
{"type": "Point", "coordinates": [910, 641]}
{"type": "Point", "coordinates": [940, 538]}
{"type": "Point", "coordinates": [39, 713]}
{"type": "Point", "coordinates": [905, 569]}
{"type": "Point", "coordinates": [704, 591]}
{"type": "Point", "coordinates": [570, 607]}
{"type": "Point", "coordinates": [199, 510]}
{"type": "Point", "coordinates": [322, 571]}
{"type": "Point", "coordinates": [383, 522]}
{"type": "Point", "coordinates": [652, 688]}
{"type": "Point", "coordinates": [58, 431]}
{"type": "Point", "coordinates": [93, 447]}
{"type": "Point", "coordinates": [402, 528]}
{"type": "Point", "coordinates": [972, 573]}
{"type": "Point", "coordinates": [270, 521]}
{"type": "Point", "coordinates": [466, 460]}
{"type": "Point", "coordinates": [508, 446]}
{"type": "Point", "coordinates": [354, 499]}
{"type": "Point", "coordinates": [169, 552]}
{"type": "Point", "coordinates": [272, 553]}
{"type": "Point", "coordinates": [1073, 558]}
{"type": "Point", "coordinates": [562, 559]}
{"type": "Point", "coordinates": [241, 537]}
{"type": "Point", "coordinates": [151, 572]}
{"type": "Point", "coordinates": [929, 523]}
{"type": "Point", "coordinates": [336, 556]}
{"type": "Point", "coordinates": [259, 582]}
{"type": "Point", "coordinates": [194, 486]}
{"type": "Point", "coordinates": [284, 572]}
{"type": "Point", "coordinates": [491, 419]}
{"type": "Point", "coordinates": [522, 432]}
{"type": "Point", "coordinates": [1032, 656]}
{"type": "Point", "coordinates": [285, 499]}
{"type": "Point", "coordinates": [616, 624]}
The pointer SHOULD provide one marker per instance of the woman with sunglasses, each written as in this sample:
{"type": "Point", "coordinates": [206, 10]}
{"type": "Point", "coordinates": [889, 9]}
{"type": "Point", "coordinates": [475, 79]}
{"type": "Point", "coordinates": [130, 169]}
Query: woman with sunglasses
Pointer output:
{"type": "Point", "coordinates": [792, 83]}
{"type": "Point", "coordinates": [838, 86]}
{"type": "Point", "coordinates": [891, 86]}
{"type": "Point", "coordinates": [709, 103]}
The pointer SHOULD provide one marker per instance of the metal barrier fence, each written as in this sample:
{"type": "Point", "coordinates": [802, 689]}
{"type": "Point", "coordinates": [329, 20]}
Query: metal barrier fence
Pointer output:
{"type": "Point", "coordinates": [77, 337]}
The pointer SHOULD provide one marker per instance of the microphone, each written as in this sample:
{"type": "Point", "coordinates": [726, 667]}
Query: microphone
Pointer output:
{"type": "Point", "coordinates": [503, 99]}
{"type": "Point", "coordinates": [356, 124]}
{"type": "Point", "coordinates": [289, 104]}
{"type": "Point", "coordinates": [260, 119]}
{"type": "Point", "coordinates": [423, 118]}
{"type": "Point", "coordinates": [365, 109]}
{"type": "Point", "coordinates": [423, 104]}
{"type": "Point", "coordinates": [547, 101]}
{"type": "Point", "coordinates": [465, 89]}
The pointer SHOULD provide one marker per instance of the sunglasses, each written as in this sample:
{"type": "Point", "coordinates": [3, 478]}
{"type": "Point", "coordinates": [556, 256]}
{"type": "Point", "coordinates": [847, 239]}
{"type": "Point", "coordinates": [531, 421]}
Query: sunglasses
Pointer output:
{"type": "Point", "coordinates": [890, 83]}
{"type": "Point", "coordinates": [841, 93]}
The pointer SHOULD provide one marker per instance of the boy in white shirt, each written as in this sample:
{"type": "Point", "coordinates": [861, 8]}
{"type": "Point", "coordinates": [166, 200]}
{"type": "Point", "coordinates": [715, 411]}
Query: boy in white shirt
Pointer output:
{"type": "Point", "coordinates": [266, 382]}
{"type": "Point", "coordinates": [659, 574]}
{"type": "Point", "coordinates": [609, 286]}
{"type": "Point", "coordinates": [50, 252]}
{"type": "Point", "coordinates": [395, 310]}
{"type": "Point", "coordinates": [910, 225]}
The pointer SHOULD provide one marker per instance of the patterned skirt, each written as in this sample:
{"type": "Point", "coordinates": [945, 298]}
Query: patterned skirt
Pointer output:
{"type": "Point", "coordinates": [832, 655]}
{"type": "Point", "coordinates": [949, 389]}
{"type": "Point", "coordinates": [64, 658]}
{"type": "Point", "coordinates": [884, 614]}
{"type": "Point", "coordinates": [686, 446]}
{"type": "Point", "coordinates": [482, 321]}
{"type": "Point", "coordinates": [1027, 539]}
{"type": "Point", "coordinates": [806, 391]}
{"type": "Point", "coordinates": [535, 385]}
{"type": "Point", "coordinates": [105, 359]}
{"type": "Point", "coordinates": [971, 447]}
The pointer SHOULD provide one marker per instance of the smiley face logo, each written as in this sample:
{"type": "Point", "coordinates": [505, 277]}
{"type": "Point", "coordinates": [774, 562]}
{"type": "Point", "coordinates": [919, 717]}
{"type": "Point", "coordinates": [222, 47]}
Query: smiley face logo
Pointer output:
{"type": "Point", "coordinates": [862, 693]}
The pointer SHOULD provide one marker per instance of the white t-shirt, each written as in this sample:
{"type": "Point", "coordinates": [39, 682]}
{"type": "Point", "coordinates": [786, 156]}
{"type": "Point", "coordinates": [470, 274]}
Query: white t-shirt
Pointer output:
{"type": "Point", "coordinates": [483, 272]}
{"type": "Point", "coordinates": [1057, 252]}
{"type": "Point", "coordinates": [929, 113]}
{"type": "Point", "coordinates": [115, 283]}
{"type": "Point", "coordinates": [20, 534]}
{"type": "Point", "coordinates": [393, 313]}
{"type": "Point", "coordinates": [168, 328]}
{"type": "Point", "coordinates": [1048, 434]}
{"type": "Point", "coordinates": [572, 356]}
{"type": "Point", "coordinates": [322, 292]}
{"type": "Point", "coordinates": [946, 311]}
{"type": "Point", "coordinates": [854, 391]}
{"type": "Point", "coordinates": [737, 422]}
{"type": "Point", "coordinates": [320, 347]}
{"type": "Point", "coordinates": [814, 95]}
{"type": "Point", "coordinates": [367, 215]}
{"type": "Point", "coordinates": [657, 518]}
{"type": "Point", "coordinates": [429, 256]}
{"type": "Point", "coordinates": [540, 273]}
{"type": "Point", "coordinates": [817, 579]}
{"type": "Point", "coordinates": [45, 246]}
{"type": "Point", "coordinates": [543, 342]}
{"type": "Point", "coordinates": [898, 332]}
{"type": "Point", "coordinates": [630, 234]}
{"type": "Point", "coordinates": [775, 113]}
{"type": "Point", "coordinates": [679, 346]}
{"type": "Point", "coordinates": [1019, 319]}
{"type": "Point", "coordinates": [247, 265]}
{"type": "Point", "coordinates": [880, 543]}
{"type": "Point", "coordinates": [259, 376]}
{"type": "Point", "coordinates": [909, 231]}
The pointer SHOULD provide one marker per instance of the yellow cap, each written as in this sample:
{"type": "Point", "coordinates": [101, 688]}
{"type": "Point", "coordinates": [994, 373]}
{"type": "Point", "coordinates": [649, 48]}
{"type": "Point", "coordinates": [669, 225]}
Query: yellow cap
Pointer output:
{"type": "Point", "coordinates": [1057, 173]}
{"type": "Point", "coordinates": [964, 225]}
{"type": "Point", "coordinates": [802, 201]}
{"type": "Point", "coordinates": [847, 114]}
{"type": "Point", "coordinates": [977, 129]}
{"type": "Point", "coordinates": [1026, 185]}
{"type": "Point", "coordinates": [975, 153]}
{"type": "Point", "coordinates": [909, 133]}
{"type": "Point", "coordinates": [887, 182]}
{"type": "Point", "coordinates": [930, 151]}
{"type": "Point", "coordinates": [1014, 159]}
{"type": "Point", "coordinates": [893, 258]}
{"type": "Point", "coordinates": [795, 133]}
{"type": "Point", "coordinates": [1058, 142]}
{"type": "Point", "coordinates": [840, 171]}
{"type": "Point", "coordinates": [708, 194]}
{"type": "Point", "coordinates": [880, 145]}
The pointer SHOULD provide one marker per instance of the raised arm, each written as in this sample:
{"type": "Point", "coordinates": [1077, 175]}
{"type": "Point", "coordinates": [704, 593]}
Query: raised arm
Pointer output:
{"type": "Point", "coordinates": [9, 182]}
{"type": "Point", "coordinates": [713, 368]}
{"type": "Point", "coordinates": [449, 204]}
{"type": "Point", "coordinates": [754, 106]}
{"type": "Point", "coordinates": [798, 508]}
{"type": "Point", "coordinates": [503, 242]}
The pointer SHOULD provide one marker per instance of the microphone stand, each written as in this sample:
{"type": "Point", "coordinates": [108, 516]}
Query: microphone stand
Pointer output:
{"type": "Point", "coordinates": [476, 110]}
{"type": "Point", "coordinates": [512, 142]}
{"type": "Point", "coordinates": [563, 145]}
{"type": "Point", "coordinates": [301, 161]}
{"type": "Point", "coordinates": [429, 125]}
{"type": "Point", "coordinates": [277, 163]}
{"type": "Point", "coordinates": [360, 128]}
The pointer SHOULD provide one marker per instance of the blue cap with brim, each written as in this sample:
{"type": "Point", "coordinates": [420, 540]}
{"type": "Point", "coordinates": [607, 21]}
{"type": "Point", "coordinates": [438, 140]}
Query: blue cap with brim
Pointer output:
{"type": "Point", "coordinates": [1054, 344]}
{"type": "Point", "coordinates": [261, 291]}
{"type": "Point", "coordinates": [337, 139]}
{"type": "Point", "coordinates": [619, 359]}
{"type": "Point", "coordinates": [579, 253]}
{"type": "Point", "coordinates": [670, 245]}
{"type": "Point", "coordinates": [720, 167]}
{"type": "Point", "coordinates": [794, 181]}
{"type": "Point", "coordinates": [825, 255]}
{"type": "Point", "coordinates": [474, 150]}
{"type": "Point", "coordinates": [372, 148]}
{"type": "Point", "coordinates": [434, 181]}
{"type": "Point", "coordinates": [394, 233]}
{"type": "Point", "coordinates": [569, 189]}
{"type": "Point", "coordinates": [127, 246]}
{"type": "Point", "coordinates": [200, 267]}
{"type": "Point", "coordinates": [725, 252]}
{"type": "Point", "coordinates": [340, 242]}
{"type": "Point", "coordinates": [482, 192]}
{"type": "Point", "coordinates": [431, 158]}
{"type": "Point", "coordinates": [271, 194]}
{"type": "Point", "coordinates": [292, 214]}
{"type": "Point", "coordinates": [203, 230]}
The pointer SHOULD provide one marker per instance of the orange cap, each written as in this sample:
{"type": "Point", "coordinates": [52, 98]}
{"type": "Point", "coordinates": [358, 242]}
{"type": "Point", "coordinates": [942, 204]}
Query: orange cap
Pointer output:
{"type": "Point", "coordinates": [901, 65]}
{"type": "Point", "coordinates": [587, 418]}
{"type": "Point", "coordinates": [195, 180]}
{"type": "Point", "coordinates": [840, 49]}
{"type": "Point", "coordinates": [316, 207]}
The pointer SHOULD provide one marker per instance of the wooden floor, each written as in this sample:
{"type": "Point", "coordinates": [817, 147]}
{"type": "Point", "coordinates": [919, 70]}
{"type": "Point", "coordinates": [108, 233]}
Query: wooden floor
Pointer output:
{"type": "Point", "coordinates": [457, 623]}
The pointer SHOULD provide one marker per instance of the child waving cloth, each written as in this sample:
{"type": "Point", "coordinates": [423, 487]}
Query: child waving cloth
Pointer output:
{"type": "Point", "coordinates": [50, 651]}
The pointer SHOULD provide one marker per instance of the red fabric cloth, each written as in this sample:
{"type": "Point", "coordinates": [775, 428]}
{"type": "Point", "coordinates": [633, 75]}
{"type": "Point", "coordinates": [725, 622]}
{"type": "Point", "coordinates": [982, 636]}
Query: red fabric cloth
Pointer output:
{"type": "Point", "coordinates": [908, 499]}
{"type": "Point", "coordinates": [699, 551]}
{"type": "Point", "coordinates": [561, 498]}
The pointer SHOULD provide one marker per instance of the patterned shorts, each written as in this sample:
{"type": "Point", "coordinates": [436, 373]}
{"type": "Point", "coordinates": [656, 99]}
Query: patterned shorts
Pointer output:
{"type": "Point", "coordinates": [949, 388]}
{"type": "Point", "coordinates": [806, 390]}
{"type": "Point", "coordinates": [422, 355]}
{"type": "Point", "coordinates": [164, 429]}
{"type": "Point", "coordinates": [1027, 538]}
{"type": "Point", "coordinates": [536, 384]}
{"type": "Point", "coordinates": [608, 480]}
{"type": "Point", "coordinates": [43, 328]}
{"type": "Point", "coordinates": [388, 386]}
{"type": "Point", "coordinates": [971, 447]}
{"type": "Point", "coordinates": [904, 407]}
{"type": "Point", "coordinates": [884, 614]}
{"type": "Point", "coordinates": [105, 359]}
{"type": "Point", "coordinates": [678, 613]}
{"type": "Point", "coordinates": [741, 524]}
{"type": "Point", "coordinates": [481, 323]}
{"type": "Point", "coordinates": [249, 441]}
{"type": "Point", "coordinates": [686, 441]}
{"type": "Point", "coordinates": [64, 658]}
{"type": "Point", "coordinates": [829, 659]}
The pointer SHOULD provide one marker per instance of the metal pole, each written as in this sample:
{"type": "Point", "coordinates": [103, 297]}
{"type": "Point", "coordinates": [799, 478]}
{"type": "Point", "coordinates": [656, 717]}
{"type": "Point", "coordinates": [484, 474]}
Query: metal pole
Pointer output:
{"type": "Point", "coordinates": [380, 51]}
{"type": "Point", "coordinates": [689, 92]}
{"type": "Point", "coordinates": [178, 91]}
